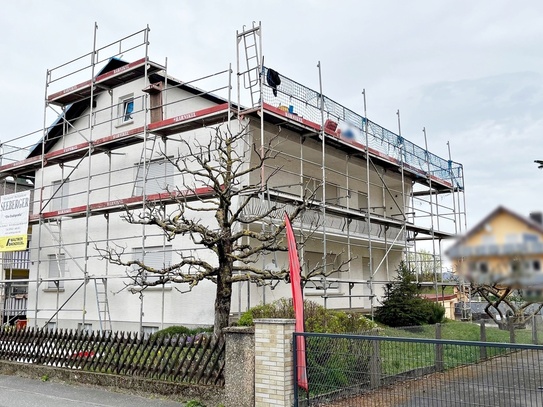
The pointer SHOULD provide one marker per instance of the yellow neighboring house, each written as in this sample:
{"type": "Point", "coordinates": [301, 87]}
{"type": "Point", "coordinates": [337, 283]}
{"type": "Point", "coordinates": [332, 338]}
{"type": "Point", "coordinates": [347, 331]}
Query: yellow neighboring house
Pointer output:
{"type": "Point", "coordinates": [504, 249]}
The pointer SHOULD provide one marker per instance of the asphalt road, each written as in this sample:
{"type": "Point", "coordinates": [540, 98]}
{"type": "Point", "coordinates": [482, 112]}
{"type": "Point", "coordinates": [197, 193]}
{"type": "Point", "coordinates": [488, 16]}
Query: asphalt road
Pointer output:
{"type": "Point", "coordinates": [22, 392]}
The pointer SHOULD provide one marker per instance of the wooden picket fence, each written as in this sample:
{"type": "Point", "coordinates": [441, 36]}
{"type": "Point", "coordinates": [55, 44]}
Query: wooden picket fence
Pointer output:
{"type": "Point", "coordinates": [195, 359]}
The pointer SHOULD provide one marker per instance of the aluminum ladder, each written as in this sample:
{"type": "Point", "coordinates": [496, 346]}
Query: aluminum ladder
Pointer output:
{"type": "Point", "coordinates": [251, 42]}
{"type": "Point", "coordinates": [104, 316]}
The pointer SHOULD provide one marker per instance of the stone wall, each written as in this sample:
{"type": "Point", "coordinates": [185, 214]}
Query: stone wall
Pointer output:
{"type": "Point", "coordinates": [239, 369]}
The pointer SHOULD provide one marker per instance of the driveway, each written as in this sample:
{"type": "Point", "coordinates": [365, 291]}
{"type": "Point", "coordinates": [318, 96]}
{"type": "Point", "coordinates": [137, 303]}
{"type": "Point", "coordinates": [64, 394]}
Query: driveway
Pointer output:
{"type": "Point", "coordinates": [514, 380]}
{"type": "Point", "coordinates": [23, 392]}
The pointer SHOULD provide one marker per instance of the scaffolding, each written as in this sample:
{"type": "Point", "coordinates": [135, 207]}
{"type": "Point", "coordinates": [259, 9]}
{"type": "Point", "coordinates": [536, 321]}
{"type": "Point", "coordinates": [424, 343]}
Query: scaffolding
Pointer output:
{"type": "Point", "coordinates": [105, 153]}
{"type": "Point", "coordinates": [427, 205]}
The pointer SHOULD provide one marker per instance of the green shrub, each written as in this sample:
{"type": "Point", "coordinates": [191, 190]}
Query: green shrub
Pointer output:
{"type": "Point", "coordinates": [435, 312]}
{"type": "Point", "coordinates": [317, 318]}
{"type": "Point", "coordinates": [179, 330]}
{"type": "Point", "coordinates": [402, 305]}
{"type": "Point", "coordinates": [335, 368]}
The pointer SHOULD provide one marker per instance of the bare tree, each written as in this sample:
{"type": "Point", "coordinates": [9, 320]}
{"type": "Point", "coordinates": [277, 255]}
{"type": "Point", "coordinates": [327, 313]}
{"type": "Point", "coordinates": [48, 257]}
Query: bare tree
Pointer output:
{"type": "Point", "coordinates": [518, 307]}
{"type": "Point", "coordinates": [511, 289]}
{"type": "Point", "coordinates": [234, 237]}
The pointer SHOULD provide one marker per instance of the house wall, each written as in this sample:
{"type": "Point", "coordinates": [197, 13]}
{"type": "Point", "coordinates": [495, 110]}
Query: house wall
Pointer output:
{"type": "Point", "coordinates": [297, 171]}
{"type": "Point", "coordinates": [502, 229]}
{"type": "Point", "coordinates": [114, 176]}
{"type": "Point", "coordinates": [497, 246]}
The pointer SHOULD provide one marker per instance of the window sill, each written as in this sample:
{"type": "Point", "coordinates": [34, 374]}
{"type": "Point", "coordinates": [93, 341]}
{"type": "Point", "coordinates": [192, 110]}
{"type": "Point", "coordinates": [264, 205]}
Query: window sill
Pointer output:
{"type": "Point", "coordinates": [159, 288]}
{"type": "Point", "coordinates": [167, 287]}
{"type": "Point", "coordinates": [126, 123]}
{"type": "Point", "coordinates": [330, 291]}
{"type": "Point", "coordinates": [53, 290]}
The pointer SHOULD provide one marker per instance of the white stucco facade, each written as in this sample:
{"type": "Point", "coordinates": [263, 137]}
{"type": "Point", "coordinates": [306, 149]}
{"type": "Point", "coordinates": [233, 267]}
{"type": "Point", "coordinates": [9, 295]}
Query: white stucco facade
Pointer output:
{"type": "Point", "coordinates": [65, 248]}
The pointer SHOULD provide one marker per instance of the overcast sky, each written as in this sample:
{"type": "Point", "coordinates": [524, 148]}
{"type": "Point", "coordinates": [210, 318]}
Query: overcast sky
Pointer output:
{"type": "Point", "coordinates": [471, 72]}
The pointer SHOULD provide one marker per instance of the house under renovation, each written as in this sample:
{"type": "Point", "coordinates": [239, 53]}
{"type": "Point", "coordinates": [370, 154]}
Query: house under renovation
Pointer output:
{"type": "Point", "coordinates": [112, 148]}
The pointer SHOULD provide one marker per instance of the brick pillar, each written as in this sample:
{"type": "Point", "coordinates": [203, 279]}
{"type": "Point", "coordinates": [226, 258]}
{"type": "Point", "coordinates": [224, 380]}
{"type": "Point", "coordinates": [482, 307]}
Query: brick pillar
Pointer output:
{"type": "Point", "coordinates": [273, 362]}
{"type": "Point", "coordinates": [239, 369]}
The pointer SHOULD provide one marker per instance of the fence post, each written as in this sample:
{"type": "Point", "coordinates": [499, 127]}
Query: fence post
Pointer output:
{"type": "Point", "coordinates": [534, 330]}
{"type": "Point", "coordinates": [375, 365]}
{"type": "Point", "coordinates": [511, 332]}
{"type": "Point", "coordinates": [239, 367]}
{"type": "Point", "coordinates": [482, 349]}
{"type": "Point", "coordinates": [439, 350]}
{"type": "Point", "coordinates": [274, 376]}
{"type": "Point", "coordinates": [295, 367]}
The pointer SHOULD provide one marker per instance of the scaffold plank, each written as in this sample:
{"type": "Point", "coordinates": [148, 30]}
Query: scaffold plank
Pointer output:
{"type": "Point", "coordinates": [188, 121]}
{"type": "Point", "coordinates": [76, 151]}
{"type": "Point", "coordinates": [291, 118]}
{"type": "Point", "coordinates": [191, 121]}
{"type": "Point", "coordinates": [362, 215]}
{"type": "Point", "coordinates": [124, 203]}
{"type": "Point", "coordinates": [107, 80]}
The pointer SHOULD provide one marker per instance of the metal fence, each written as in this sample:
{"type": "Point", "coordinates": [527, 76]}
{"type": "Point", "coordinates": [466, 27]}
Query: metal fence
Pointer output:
{"type": "Point", "coordinates": [197, 359]}
{"type": "Point", "coordinates": [360, 370]}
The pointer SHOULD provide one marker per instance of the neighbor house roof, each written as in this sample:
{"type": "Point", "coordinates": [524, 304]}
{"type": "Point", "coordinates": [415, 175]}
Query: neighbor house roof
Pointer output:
{"type": "Point", "coordinates": [496, 212]}
{"type": "Point", "coordinates": [440, 297]}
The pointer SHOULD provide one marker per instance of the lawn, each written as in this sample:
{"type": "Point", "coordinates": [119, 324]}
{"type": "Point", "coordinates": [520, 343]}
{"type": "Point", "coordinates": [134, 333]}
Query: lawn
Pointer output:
{"type": "Point", "coordinates": [398, 357]}
{"type": "Point", "coordinates": [460, 331]}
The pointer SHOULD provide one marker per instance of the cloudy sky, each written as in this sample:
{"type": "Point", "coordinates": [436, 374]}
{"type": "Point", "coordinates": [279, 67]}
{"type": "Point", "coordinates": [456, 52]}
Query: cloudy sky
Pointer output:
{"type": "Point", "coordinates": [470, 72]}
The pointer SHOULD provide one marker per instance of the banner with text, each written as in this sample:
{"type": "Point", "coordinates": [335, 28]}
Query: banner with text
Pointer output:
{"type": "Point", "coordinates": [14, 210]}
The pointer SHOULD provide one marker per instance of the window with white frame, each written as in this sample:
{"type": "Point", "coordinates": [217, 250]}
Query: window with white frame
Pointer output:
{"type": "Point", "coordinates": [59, 195]}
{"type": "Point", "coordinates": [488, 240]}
{"type": "Point", "coordinates": [148, 330]}
{"type": "Point", "coordinates": [57, 270]}
{"type": "Point", "coordinates": [314, 260]}
{"type": "Point", "coordinates": [512, 238]}
{"type": "Point", "coordinates": [156, 257]}
{"type": "Point", "coordinates": [84, 327]}
{"type": "Point", "coordinates": [532, 266]}
{"type": "Point", "coordinates": [478, 267]}
{"type": "Point", "coordinates": [158, 175]}
{"type": "Point", "coordinates": [334, 193]}
{"type": "Point", "coordinates": [530, 238]}
{"type": "Point", "coordinates": [126, 109]}
{"type": "Point", "coordinates": [366, 272]}
{"type": "Point", "coordinates": [313, 186]}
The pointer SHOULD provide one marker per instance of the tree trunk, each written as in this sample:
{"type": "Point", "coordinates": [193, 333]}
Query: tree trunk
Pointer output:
{"type": "Point", "coordinates": [223, 300]}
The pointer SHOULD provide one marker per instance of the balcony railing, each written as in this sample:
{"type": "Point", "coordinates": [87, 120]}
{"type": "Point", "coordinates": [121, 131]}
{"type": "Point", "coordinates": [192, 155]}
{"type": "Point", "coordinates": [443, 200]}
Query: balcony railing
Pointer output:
{"type": "Point", "coordinates": [16, 260]}
{"type": "Point", "coordinates": [313, 220]}
{"type": "Point", "coordinates": [508, 249]}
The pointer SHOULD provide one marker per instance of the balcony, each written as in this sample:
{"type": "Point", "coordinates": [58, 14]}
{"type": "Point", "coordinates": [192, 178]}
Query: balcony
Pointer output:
{"type": "Point", "coordinates": [508, 249]}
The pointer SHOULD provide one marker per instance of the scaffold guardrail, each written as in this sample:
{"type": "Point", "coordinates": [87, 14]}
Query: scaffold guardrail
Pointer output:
{"type": "Point", "coordinates": [304, 102]}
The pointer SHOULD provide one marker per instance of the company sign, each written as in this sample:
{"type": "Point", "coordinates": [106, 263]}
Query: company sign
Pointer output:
{"type": "Point", "coordinates": [14, 210]}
